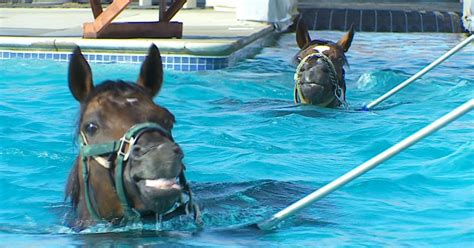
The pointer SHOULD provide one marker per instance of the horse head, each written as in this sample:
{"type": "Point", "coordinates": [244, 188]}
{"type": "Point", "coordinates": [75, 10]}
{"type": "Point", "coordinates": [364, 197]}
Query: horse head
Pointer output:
{"type": "Point", "coordinates": [129, 166]}
{"type": "Point", "coordinates": [320, 74]}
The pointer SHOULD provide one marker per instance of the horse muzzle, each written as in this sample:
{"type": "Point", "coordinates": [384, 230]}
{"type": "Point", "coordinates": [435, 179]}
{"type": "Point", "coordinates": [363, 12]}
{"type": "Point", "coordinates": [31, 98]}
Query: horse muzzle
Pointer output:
{"type": "Point", "coordinates": [155, 169]}
{"type": "Point", "coordinates": [316, 93]}
{"type": "Point", "coordinates": [159, 195]}
{"type": "Point", "coordinates": [163, 160]}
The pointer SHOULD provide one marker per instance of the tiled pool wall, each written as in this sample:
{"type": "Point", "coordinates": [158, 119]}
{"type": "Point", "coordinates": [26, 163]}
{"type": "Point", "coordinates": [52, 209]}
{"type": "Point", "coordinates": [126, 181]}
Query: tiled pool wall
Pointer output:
{"type": "Point", "coordinates": [172, 62]}
{"type": "Point", "coordinates": [371, 20]}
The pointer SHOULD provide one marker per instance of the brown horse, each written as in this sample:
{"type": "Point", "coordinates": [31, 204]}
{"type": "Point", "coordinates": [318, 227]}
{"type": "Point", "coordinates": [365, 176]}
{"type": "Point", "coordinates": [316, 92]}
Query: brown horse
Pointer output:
{"type": "Point", "coordinates": [129, 167]}
{"type": "Point", "coordinates": [320, 74]}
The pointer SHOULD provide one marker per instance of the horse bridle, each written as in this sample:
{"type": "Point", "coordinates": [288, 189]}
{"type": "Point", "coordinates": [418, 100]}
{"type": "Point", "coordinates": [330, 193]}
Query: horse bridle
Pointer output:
{"type": "Point", "coordinates": [335, 82]}
{"type": "Point", "coordinates": [121, 150]}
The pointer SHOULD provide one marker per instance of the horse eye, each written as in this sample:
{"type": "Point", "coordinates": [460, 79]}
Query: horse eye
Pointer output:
{"type": "Point", "coordinates": [91, 128]}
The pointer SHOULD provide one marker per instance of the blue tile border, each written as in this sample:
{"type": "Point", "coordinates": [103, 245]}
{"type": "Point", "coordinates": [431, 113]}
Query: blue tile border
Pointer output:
{"type": "Point", "coordinates": [173, 62]}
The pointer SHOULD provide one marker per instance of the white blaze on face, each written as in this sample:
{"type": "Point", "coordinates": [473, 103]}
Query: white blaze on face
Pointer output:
{"type": "Point", "coordinates": [321, 48]}
{"type": "Point", "coordinates": [132, 100]}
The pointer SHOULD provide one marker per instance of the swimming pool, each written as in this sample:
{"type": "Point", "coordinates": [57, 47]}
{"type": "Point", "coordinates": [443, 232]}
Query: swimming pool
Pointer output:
{"type": "Point", "coordinates": [250, 152]}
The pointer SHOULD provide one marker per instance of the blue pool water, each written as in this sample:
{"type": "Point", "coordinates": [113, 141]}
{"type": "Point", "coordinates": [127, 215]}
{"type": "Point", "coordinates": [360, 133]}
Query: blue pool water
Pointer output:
{"type": "Point", "coordinates": [250, 152]}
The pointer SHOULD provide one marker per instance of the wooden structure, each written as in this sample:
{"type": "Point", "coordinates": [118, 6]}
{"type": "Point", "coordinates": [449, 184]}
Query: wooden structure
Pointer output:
{"type": "Point", "coordinates": [102, 27]}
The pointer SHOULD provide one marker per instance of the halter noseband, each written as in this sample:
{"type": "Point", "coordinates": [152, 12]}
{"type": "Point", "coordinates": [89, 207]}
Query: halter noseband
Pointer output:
{"type": "Point", "coordinates": [336, 83]}
{"type": "Point", "coordinates": [122, 149]}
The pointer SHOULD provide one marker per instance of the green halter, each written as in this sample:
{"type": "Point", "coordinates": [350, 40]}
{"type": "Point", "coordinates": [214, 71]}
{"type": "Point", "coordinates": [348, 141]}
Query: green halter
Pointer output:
{"type": "Point", "coordinates": [122, 148]}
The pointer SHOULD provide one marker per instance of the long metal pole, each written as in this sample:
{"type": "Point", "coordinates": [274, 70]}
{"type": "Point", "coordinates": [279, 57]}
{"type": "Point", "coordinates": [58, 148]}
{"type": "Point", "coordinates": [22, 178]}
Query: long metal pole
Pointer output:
{"type": "Point", "coordinates": [419, 74]}
{"type": "Point", "coordinates": [363, 168]}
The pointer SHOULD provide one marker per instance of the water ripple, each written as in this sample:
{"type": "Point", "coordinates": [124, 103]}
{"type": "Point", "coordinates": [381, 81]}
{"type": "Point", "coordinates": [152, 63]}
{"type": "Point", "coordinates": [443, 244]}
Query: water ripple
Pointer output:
{"type": "Point", "coordinates": [250, 151]}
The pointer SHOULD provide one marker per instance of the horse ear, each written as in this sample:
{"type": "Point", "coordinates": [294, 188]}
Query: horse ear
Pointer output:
{"type": "Point", "coordinates": [302, 35]}
{"type": "Point", "coordinates": [80, 76]}
{"type": "Point", "coordinates": [346, 40]}
{"type": "Point", "coordinates": [151, 73]}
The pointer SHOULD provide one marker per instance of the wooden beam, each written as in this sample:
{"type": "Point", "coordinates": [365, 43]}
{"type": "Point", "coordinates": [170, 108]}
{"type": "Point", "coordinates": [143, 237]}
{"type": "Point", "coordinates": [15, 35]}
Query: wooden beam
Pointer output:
{"type": "Point", "coordinates": [96, 7]}
{"type": "Point", "coordinates": [109, 14]}
{"type": "Point", "coordinates": [162, 10]}
{"type": "Point", "coordinates": [173, 9]}
{"type": "Point", "coordinates": [102, 27]}
{"type": "Point", "coordinates": [136, 30]}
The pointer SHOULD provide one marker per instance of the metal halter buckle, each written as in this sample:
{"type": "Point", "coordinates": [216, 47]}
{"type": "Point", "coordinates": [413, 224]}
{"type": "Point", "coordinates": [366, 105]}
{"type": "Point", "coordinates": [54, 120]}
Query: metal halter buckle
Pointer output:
{"type": "Point", "coordinates": [121, 151]}
{"type": "Point", "coordinates": [338, 92]}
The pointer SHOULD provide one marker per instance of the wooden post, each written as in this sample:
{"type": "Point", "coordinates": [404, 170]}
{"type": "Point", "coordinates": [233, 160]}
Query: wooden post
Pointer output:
{"type": "Point", "coordinates": [162, 10]}
{"type": "Point", "coordinates": [96, 7]}
{"type": "Point", "coordinates": [173, 9]}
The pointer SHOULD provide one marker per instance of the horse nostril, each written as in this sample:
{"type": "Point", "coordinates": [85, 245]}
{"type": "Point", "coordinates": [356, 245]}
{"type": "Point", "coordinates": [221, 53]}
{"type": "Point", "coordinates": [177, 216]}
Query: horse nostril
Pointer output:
{"type": "Point", "coordinates": [137, 151]}
{"type": "Point", "coordinates": [178, 151]}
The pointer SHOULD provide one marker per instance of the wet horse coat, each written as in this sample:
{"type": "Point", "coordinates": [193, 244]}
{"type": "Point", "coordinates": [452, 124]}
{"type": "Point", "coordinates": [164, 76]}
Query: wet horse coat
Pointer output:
{"type": "Point", "coordinates": [129, 167]}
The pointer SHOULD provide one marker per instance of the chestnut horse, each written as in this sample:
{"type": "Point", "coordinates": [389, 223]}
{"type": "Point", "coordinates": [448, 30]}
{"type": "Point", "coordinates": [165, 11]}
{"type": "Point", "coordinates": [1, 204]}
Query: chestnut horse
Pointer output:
{"type": "Point", "coordinates": [129, 167]}
{"type": "Point", "coordinates": [319, 77]}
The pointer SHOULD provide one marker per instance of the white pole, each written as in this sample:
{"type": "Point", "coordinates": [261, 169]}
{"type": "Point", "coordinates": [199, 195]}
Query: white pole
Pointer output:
{"type": "Point", "coordinates": [420, 73]}
{"type": "Point", "coordinates": [363, 168]}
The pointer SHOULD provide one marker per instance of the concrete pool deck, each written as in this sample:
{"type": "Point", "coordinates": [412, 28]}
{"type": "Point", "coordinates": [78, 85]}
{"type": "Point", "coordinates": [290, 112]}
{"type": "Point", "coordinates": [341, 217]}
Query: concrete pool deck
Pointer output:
{"type": "Point", "coordinates": [205, 32]}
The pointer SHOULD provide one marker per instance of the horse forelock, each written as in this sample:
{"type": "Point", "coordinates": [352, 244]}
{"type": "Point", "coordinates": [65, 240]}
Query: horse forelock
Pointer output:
{"type": "Point", "coordinates": [315, 43]}
{"type": "Point", "coordinates": [122, 93]}
{"type": "Point", "coordinates": [118, 90]}
{"type": "Point", "coordinates": [318, 43]}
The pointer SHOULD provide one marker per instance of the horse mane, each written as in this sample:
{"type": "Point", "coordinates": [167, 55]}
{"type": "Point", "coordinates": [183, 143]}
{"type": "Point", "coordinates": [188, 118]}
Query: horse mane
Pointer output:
{"type": "Point", "coordinates": [72, 186]}
{"type": "Point", "coordinates": [116, 88]}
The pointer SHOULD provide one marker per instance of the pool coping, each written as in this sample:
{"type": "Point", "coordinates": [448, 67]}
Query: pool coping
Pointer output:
{"type": "Point", "coordinates": [204, 47]}
{"type": "Point", "coordinates": [177, 54]}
